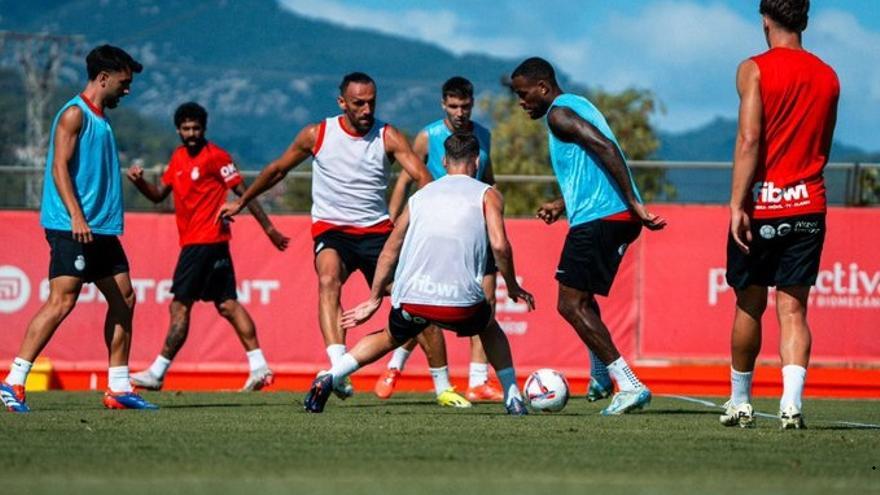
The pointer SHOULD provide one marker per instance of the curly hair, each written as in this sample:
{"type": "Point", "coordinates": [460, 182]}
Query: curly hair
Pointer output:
{"type": "Point", "coordinates": [790, 14]}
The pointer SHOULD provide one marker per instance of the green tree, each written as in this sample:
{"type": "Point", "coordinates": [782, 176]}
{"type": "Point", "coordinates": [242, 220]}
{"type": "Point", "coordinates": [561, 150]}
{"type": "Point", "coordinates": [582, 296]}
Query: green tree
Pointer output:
{"type": "Point", "coordinates": [519, 144]}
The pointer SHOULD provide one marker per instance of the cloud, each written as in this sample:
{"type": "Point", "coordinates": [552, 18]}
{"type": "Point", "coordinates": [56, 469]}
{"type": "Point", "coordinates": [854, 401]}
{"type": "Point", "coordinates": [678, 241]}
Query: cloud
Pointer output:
{"type": "Point", "coordinates": [685, 51]}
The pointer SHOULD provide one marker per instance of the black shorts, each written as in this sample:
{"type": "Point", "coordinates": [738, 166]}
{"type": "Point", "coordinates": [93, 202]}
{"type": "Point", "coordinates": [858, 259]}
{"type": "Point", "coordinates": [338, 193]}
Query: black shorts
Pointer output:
{"type": "Point", "coordinates": [358, 252]}
{"type": "Point", "coordinates": [592, 254]}
{"type": "Point", "coordinates": [101, 258]}
{"type": "Point", "coordinates": [404, 326]}
{"type": "Point", "coordinates": [204, 272]}
{"type": "Point", "coordinates": [784, 252]}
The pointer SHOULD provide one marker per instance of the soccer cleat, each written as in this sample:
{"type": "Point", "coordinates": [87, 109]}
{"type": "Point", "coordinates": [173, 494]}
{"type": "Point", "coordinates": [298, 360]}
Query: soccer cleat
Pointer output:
{"type": "Point", "coordinates": [597, 391]}
{"type": "Point", "coordinates": [628, 401]}
{"type": "Point", "coordinates": [146, 380]}
{"type": "Point", "coordinates": [344, 389]}
{"type": "Point", "coordinates": [13, 398]}
{"type": "Point", "coordinates": [791, 418]}
{"type": "Point", "coordinates": [319, 392]}
{"type": "Point", "coordinates": [126, 400]}
{"type": "Point", "coordinates": [451, 398]}
{"type": "Point", "coordinates": [385, 384]}
{"type": "Point", "coordinates": [486, 392]}
{"type": "Point", "coordinates": [741, 415]}
{"type": "Point", "coordinates": [515, 406]}
{"type": "Point", "coordinates": [258, 380]}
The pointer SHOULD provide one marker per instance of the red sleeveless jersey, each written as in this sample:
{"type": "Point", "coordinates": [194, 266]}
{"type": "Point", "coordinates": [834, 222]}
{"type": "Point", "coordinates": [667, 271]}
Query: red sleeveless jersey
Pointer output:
{"type": "Point", "coordinates": [799, 94]}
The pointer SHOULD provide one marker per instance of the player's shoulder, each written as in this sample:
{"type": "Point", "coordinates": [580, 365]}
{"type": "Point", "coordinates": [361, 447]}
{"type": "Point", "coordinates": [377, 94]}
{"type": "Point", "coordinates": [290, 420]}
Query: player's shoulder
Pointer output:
{"type": "Point", "coordinates": [216, 155]}
{"type": "Point", "coordinates": [434, 127]}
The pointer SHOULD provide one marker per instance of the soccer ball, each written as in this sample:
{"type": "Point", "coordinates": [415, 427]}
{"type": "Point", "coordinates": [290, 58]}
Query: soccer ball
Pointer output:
{"type": "Point", "coordinates": [547, 390]}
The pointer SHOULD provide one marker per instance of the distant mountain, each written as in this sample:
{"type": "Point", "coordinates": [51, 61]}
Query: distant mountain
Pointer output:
{"type": "Point", "coordinates": [715, 141]}
{"type": "Point", "coordinates": [262, 71]}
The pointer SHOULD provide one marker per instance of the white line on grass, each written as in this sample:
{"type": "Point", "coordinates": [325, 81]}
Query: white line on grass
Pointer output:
{"type": "Point", "coordinates": [711, 404]}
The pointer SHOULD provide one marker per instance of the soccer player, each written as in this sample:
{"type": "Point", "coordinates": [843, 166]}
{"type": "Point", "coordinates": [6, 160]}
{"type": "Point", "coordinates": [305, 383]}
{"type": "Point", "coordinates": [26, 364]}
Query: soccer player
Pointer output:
{"type": "Point", "coordinates": [787, 113]}
{"type": "Point", "coordinates": [605, 215]}
{"type": "Point", "coordinates": [438, 247]}
{"type": "Point", "coordinates": [82, 213]}
{"type": "Point", "coordinates": [350, 223]}
{"type": "Point", "coordinates": [199, 174]}
{"type": "Point", "coordinates": [458, 103]}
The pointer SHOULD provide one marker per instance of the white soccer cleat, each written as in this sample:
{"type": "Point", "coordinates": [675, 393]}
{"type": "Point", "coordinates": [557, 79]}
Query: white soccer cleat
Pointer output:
{"type": "Point", "coordinates": [791, 418]}
{"type": "Point", "coordinates": [741, 415]}
{"type": "Point", "coordinates": [258, 380]}
{"type": "Point", "coordinates": [146, 380]}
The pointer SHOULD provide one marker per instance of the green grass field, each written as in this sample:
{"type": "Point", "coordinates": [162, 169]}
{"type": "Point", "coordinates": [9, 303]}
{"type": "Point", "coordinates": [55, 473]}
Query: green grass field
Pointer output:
{"type": "Point", "coordinates": [264, 444]}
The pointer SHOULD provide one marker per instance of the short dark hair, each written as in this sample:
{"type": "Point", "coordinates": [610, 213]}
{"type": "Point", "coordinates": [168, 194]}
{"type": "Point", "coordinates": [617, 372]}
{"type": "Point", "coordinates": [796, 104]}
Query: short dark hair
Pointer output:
{"type": "Point", "coordinates": [190, 111]}
{"type": "Point", "coordinates": [790, 14]}
{"type": "Point", "coordinates": [111, 59]}
{"type": "Point", "coordinates": [461, 146]}
{"type": "Point", "coordinates": [355, 77]}
{"type": "Point", "coordinates": [535, 69]}
{"type": "Point", "coordinates": [458, 87]}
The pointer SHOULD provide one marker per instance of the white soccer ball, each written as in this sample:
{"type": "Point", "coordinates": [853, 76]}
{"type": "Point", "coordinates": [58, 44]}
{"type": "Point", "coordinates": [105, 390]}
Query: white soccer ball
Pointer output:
{"type": "Point", "coordinates": [547, 390]}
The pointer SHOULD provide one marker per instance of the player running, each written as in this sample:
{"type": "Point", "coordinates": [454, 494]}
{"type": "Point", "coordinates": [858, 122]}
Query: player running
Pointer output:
{"type": "Point", "coordinates": [458, 103]}
{"type": "Point", "coordinates": [787, 114]}
{"type": "Point", "coordinates": [199, 174]}
{"type": "Point", "coordinates": [605, 215]}
{"type": "Point", "coordinates": [439, 247]}
{"type": "Point", "coordinates": [350, 223]}
{"type": "Point", "coordinates": [82, 213]}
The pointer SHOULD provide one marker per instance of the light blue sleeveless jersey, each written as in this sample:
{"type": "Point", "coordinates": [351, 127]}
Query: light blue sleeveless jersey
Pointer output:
{"type": "Point", "coordinates": [438, 132]}
{"type": "Point", "coordinates": [588, 189]}
{"type": "Point", "coordinates": [94, 170]}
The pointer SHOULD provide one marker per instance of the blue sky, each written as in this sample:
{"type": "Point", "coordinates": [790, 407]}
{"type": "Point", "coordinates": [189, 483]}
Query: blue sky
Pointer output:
{"type": "Point", "coordinates": [686, 51]}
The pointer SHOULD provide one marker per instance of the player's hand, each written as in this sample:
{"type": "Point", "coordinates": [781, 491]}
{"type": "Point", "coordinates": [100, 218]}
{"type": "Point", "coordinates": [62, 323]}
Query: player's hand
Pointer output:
{"type": "Point", "coordinates": [360, 313]}
{"type": "Point", "coordinates": [517, 293]}
{"type": "Point", "coordinates": [648, 219]}
{"type": "Point", "coordinates": [550, 212]}
{"type": "Point", "coordinates": [228, 210]}
{"type": "Point", "coordinates": [740, 229]}
{"type": "Point", "coordinates": [279, 240]}
{"type": "Point", "coordinates": [80, 229]}
{"type": "Point", "coordinates": [135, 173]}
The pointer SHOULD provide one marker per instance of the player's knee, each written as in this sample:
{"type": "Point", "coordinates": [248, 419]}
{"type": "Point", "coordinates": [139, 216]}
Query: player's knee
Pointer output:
{"type": "Point", "coordinates": [62, 304]}
{"type": "Point", "coordinates": [329, 283]}
{"type": "Point", "coordinates": [226, 308]}
{"type": "Point", "coordinates": [567, 308]}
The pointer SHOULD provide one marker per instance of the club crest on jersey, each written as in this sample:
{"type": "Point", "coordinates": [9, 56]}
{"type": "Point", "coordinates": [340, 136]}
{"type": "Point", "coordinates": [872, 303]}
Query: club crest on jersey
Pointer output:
{"type": "Point", "coordinates": [194, 175]}
{"type": "Point", "coordinates": [767, 232]}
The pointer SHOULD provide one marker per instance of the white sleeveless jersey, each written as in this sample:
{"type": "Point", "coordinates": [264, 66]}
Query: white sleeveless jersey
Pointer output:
{"type": "Point", "coordinates": [350, 176]}
{"type": "Point", "coordinates": [444, 252]}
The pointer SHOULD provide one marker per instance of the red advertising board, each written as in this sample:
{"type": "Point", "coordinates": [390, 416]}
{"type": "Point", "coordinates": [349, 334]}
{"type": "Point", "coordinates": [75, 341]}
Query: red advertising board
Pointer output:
{"type": "Point", "coordinates": [669, 303]}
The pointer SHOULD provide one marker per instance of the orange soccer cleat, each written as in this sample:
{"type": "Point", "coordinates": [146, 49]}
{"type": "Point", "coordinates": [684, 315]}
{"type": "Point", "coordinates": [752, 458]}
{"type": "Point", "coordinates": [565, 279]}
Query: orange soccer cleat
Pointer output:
{"type": "Point", "coordinates": [486, 392]}
{"type": "Point", "coordinates": [385, 384]}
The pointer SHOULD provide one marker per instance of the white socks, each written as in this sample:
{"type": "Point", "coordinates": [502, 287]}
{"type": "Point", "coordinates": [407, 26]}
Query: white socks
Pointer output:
{"type": "Point", "coordinates": [18, 372]}
{"type": "Point", "coordinates": [740, 387]}
{"type": "Point", "coordinates": [398, 359]}
{"type": "Point", "coordinates": [441, 379]}
{"type": "Point", "coordinates": [344, 366]}
{"type": "Point", "coordinates": [117, 379]}
{"type": "Point", "coordinates": [507, 377]}
{"type": "Point", "coordinates": [479, 374]}
{"type": "Point", "coordinates": [335, 353]}
{"type": "Point", "coordinates": [793, 377]}
{"type": "Point", "coordinates": [598, 371]}
{"type": "Point", "coordinates": [624, 376]}
{"type": "Point", "coordinates": [160, 367]}
{"type": "Point", "coordinates": [256, 360]}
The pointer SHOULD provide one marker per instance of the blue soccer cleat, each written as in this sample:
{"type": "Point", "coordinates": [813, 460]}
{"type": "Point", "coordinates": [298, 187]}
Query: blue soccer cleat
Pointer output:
{"type": "Point", "coordinates": [126, 400]}
{"type": "Point", "coordinates": [597, 391]}
{"type": "Point", "coordinates": [13, 398]}
{"type": "Point", "coordinates": [628, 401]}
{"type": "Point", "coordinates": [318, 394]}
